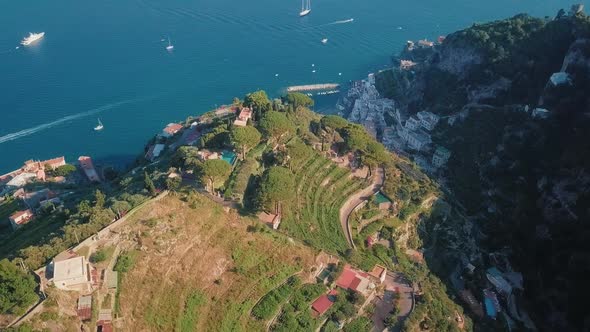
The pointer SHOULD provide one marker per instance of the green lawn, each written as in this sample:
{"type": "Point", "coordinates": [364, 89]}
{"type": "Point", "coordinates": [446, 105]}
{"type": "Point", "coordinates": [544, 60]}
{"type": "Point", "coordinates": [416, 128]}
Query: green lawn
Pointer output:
{"type": "Point", "coordinates": [322, 188]}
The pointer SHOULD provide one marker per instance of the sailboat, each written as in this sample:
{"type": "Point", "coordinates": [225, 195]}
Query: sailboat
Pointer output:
{"type": "Point", "coordinates": [170, 47]}
{"type": "Point", "coordinates": [99, 127]}
{"type": "Point", "coordinates": [305, 7]}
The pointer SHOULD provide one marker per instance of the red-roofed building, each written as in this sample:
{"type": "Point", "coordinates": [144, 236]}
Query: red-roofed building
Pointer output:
{"type": "Point", "coordinates": [321, 305]}
{"type": "Point", "coordinates": [20, 218]}
{"type": "Point", "coordinates": [355, 280]}
{"type": "Point", "coordinates": [171, 129]}
{"type": "Point", "coordinates": [243, 117]}
{"type": "Point", "coordinates": [441, 39]}
{"type": "Point", "coordinates": [379, 272]}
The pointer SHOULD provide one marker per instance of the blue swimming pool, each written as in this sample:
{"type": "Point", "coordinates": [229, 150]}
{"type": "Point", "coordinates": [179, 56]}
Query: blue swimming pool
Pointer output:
{"type": "Point", "coordinates": [229, 156]}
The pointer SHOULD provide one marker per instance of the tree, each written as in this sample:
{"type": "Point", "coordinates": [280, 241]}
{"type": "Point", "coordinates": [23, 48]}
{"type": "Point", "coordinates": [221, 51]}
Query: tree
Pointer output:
{"type": "Point", "coordinates": [333, 122]}
{"type": "Point", "coordinates": [99, 199]}
{"type": "Point", "coordinates": [173, 183]}
{"type": "Point", "coordinates": [17, 288]}
{"type": "Point", "coordinates": [245, 138]}
{"type": "Point", "coordinates": [149, 184]}
{"type": "Point", "coordinates": [214, 170]}
{"type": "Point", "coordinates": [120, 207]}
{"type": "Point", "coordinates": [276, 126]}
{"type": "Point", "coordinates": [63, 170]}
{"type": "Point", "coordinates": [259, 103]}
{"type": "Point", "coordinates": [185, 156]}
{"type": "Point", "coordinates": [216, 138]}
{"type": "Point", "coordinates": [374, 154]}
{"type": "Point", "coordinates": [355, 137]}
{"type": "Point", "coordinates": [297, 99]}
{"type": "Point", "coordinates": [277, 186]}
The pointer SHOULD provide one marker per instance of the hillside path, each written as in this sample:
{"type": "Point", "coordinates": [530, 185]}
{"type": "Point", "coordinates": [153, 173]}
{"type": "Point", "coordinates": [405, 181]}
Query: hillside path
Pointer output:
{"type": "Point", "coordinates": [357, 198]}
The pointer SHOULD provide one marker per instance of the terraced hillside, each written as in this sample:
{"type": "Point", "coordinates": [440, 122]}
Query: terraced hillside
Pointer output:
{"type": "Point", "coordinates": [199, 268]}
{"type": "Point", "coordinates": [321, 189]}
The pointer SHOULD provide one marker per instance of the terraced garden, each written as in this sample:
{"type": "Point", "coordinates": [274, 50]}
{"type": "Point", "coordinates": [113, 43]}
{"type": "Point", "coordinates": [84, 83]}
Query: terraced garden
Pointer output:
{"type": "Point", "coordinates": [322, 188]}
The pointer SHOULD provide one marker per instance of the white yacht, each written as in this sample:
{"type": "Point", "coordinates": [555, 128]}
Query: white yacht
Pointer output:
{"type": "Point", "coordinates": [325, 41]}
{"type": "Point", "coordinates": [33, 37]}
{"type": "Point", "coordinates": [305, 7]}
{"type": "Point", "coordinates": [99, 127]}
{"type": "Point", "coordinates": [170, 47]}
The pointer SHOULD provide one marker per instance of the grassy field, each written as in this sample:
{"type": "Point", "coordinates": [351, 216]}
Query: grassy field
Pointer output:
{"type": "Point", "coordinates": [322, 188]}
{"type": "Point", "coordinates": [200, 269]}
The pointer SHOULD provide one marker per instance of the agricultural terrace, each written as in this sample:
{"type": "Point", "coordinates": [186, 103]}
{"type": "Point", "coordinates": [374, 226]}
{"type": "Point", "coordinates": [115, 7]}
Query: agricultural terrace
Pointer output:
{"type": "Point", "coordinates": [321, 189]}
{"type": "Point", "coordinates": [199, 268]}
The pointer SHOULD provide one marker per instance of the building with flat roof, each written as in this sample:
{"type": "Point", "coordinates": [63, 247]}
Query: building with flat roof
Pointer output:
{"type": "Point", "coordinates": [379, 272]}
{"type": "Point", "coordinates": [88, 168]}
{"type": "Point", "coordinates": [171, 130]}
{"type": "Point", "coordinates": [440, 156]}
{"type": "Point", "coordinates": [71, 273]}
{"type": "Point", "coordinates": [20, 218]}
{"type": "Point", "coordinates": [243, 117]}
{"type": "Point", "coordinates": [84, 309]}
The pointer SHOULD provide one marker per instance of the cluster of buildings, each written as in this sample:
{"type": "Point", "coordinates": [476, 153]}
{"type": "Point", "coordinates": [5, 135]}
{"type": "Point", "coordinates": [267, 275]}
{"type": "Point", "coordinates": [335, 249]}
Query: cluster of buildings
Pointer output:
{"type": "Point", "coordinates": [243, 117]}
{"type": "Point", "coordinates": [354, 280]}
{"type": "Point", "coordinates": [366, 107]}
{"type": "Point", "coordinates": [37, 171]}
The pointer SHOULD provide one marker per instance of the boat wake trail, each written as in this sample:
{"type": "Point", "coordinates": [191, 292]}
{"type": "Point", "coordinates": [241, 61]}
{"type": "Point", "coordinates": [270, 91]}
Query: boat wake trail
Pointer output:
{"type": "Point", "coordinates": [350, 20]}
{"type": "Point", "coordinates": [30, 131]}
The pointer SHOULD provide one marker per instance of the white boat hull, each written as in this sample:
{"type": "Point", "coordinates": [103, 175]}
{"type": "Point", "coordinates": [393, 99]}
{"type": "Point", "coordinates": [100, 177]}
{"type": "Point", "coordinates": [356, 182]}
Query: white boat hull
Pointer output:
{"type": "Point", "coordinates": [305, 12]}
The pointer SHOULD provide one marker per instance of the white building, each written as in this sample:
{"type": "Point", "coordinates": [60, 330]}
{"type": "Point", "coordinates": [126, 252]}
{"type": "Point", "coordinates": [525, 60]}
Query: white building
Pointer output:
{"type": "Point", "coordinates": [428, 120]}
{"type": "Point", "coordinates": [71, 274]}
{"type": "Point", "coordinates": [412, 123]}
{"type": "Point", "coordinates": [416, 140]}
{"type": "Point", "coordinates": [560, 78]}
{"type": "Point", "coordinates": [440, 156]}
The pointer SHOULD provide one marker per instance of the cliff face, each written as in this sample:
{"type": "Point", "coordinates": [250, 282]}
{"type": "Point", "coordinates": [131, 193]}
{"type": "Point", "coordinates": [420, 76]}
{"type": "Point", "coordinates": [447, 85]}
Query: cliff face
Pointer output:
{"type": "Point", "coordinates": [521, 151]}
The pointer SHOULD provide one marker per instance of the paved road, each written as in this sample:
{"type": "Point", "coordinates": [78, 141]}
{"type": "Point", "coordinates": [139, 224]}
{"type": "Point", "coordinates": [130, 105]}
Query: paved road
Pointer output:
{"type": "Point", "coordinates": [394, 283]}
{"type": "Point", "coordinates": [357, 198]}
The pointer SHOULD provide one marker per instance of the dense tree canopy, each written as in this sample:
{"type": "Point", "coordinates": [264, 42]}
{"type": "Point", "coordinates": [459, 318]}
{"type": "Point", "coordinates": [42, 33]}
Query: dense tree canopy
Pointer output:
{"type": "Point", "coordinates": [214, 170]}
{"type": "Point", "coordinates": [216, 138]}
{"type": "Point", "coordinates": [276, 126]}
{"type": "Point", "coordinates": [244, 138]}
{"type": "Point", "coordinates": [334, 122]}
{"type": "Point", "coordinates": [259, 103]}
{"type": "Point", "coordinates": [64, 170]}
{"type": "Point", "coordinates": [185, 156]}
{"type": "Point", "coordinates": [277, 186]}
{"type": "Point", "coordinates": [355, 137]}
{"type": "Point", "coordinates": [17, 288]}
{"type": "Point", "coordinates": [297, 99]}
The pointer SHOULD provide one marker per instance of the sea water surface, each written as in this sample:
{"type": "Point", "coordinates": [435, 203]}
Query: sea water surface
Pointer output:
{"type": "Point", "coordinates": [106, 59]}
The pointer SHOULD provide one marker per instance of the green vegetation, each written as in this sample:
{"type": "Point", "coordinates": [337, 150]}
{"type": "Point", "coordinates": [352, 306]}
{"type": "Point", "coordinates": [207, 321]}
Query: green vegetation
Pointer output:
{"type": "Point", "coordinates": [361, 324]}
{"type": "Point", "coordinates": [276, 126]}
{"type": "Point", "coordinates": [297, 99]}
{"type": "Point", "coordinates": [276, 187]}
{"type": "Point", "coordinates": [188, 320]}
{"type": "Point", "coordinates": [214, 171]}
{"type": "Point", "coordinates": [314, 214]}
{"type": "Point", "coordinates": [268, 306]}
{"type": "Point", "coordinates": [125, 262]}
{"type": "Point", "coordinates": [17, 289]}
{"type": "Point", "coordinates": [244, 139]}
{"type": "Point", "coordinates": [64, 170]}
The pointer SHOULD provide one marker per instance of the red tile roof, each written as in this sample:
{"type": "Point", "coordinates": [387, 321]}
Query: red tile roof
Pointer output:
{"type": "Point", "coordinates": [346, 277]}
{"type": "Point", "coordinates": [322, 304]}
{"type": "Point", "coordinates": [173, 128]}
{"type": "Point", "coordinates": [27, 214]}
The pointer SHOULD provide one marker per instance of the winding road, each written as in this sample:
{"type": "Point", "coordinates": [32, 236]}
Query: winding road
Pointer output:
{"type": "Point", "coordinates": [357, 198]}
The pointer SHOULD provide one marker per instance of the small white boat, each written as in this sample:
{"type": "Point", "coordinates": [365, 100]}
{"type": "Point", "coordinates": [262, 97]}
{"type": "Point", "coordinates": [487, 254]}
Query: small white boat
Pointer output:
{"type": "Point", "coordinates": [170, 47]}
{"type": "Point", "coordinates": [99, 127]}
{"type": "Point", "coordinates": [305, 7]}
{"type": "Point", "coordinates": [325, 41]}
{"type": "Point", "coordinates": [313, 71]}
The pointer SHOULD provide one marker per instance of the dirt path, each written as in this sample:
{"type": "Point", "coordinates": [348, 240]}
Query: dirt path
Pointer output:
{"type": "Point", "coordinates": [356, 199]}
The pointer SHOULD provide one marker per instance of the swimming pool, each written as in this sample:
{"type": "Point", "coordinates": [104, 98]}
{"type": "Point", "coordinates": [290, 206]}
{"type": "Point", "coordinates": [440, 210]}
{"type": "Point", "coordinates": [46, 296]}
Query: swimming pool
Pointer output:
{"type": "Point", "coordinates": [229, 156]}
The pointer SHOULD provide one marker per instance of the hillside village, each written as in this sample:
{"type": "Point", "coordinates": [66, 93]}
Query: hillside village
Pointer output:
{"type": "Point", "coordinates": [312, 187]}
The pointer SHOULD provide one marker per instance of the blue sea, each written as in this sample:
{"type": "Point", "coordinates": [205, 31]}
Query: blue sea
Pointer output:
{"type": "Point", "coordinates": [106, 59]}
